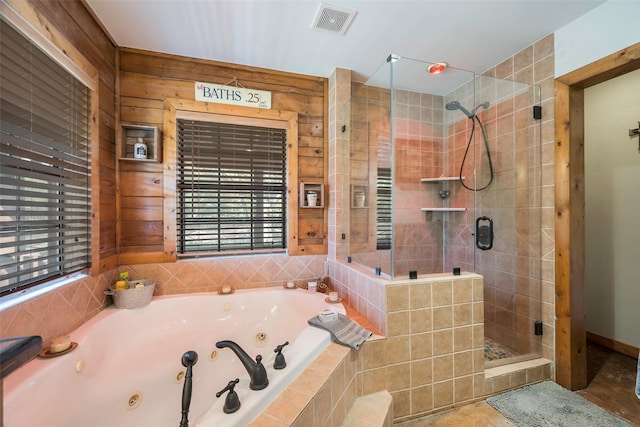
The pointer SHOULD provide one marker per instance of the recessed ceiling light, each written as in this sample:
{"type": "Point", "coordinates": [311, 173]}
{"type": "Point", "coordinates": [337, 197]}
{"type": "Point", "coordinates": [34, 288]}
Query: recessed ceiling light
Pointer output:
{"type": "Point", "coordinates": [437, 68]}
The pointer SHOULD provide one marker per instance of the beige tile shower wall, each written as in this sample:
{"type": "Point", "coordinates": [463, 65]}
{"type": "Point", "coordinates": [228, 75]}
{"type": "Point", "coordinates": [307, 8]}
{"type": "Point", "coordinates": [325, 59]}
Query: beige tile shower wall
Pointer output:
{"type": "Point", "coordinates": [417, 154]}
{"type": "Point", "coordinates": [519, 287]}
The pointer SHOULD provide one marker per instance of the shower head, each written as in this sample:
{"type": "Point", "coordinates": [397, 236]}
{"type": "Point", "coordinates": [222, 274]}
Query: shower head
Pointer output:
{"type": "Point", "coordinates": [484, 105]}
{"type": "Point", "coordinates": [455, 105]}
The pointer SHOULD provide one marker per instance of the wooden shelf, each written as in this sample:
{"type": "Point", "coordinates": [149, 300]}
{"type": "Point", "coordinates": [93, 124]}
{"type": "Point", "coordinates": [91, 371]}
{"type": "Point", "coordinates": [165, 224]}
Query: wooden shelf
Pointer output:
{"type": "Point", "coordinates": [129, 134]}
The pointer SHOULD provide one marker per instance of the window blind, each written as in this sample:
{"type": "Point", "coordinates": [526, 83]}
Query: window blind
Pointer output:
{"type": "Point", "coordinates": [383, 209]}
{"type": "Point", "coordinates": [231, 185]}
{"type": "Point", "coordinates": [45, 197]}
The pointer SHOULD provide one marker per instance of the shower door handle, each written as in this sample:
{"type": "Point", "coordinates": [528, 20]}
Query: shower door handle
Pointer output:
{"type": "Point", "coordinates": [484, 233]}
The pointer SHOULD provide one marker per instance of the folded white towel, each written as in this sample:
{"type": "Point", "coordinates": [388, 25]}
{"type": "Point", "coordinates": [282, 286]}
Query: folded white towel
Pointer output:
{"type": "Point", "coordinates": [344, 330]}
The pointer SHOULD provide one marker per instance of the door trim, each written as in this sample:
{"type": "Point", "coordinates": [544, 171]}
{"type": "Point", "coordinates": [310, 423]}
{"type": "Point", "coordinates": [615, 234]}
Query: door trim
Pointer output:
{"type": "Point", "coordinates": [570, 339]}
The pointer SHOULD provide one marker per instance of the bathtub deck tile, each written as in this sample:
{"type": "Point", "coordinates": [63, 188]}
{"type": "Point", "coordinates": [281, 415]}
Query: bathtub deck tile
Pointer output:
{"type": "Point", "coordinates": [267, 421]}
{"type": "Point", "coordinates": [289, 404]}
{"type": "Point", "coordinates": [329, 359]}
{"type": "Point", "coordinates": [310, 381]}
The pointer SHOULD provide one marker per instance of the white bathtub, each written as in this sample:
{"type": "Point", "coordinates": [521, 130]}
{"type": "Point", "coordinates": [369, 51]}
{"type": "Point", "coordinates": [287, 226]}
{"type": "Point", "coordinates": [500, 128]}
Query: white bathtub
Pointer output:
{"type": "Point", "coordinates": [124, 371]}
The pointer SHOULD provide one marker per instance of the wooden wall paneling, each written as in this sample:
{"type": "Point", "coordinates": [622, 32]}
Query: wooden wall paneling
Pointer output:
{"type": "Point", "coordinates": [76, 22]}
{"type": "Point", "coordinates": [148, 79]}
{"type": "Point", "coordinates": [141, 233]}
{"type": "Point", "coordinates": [169, 188]}
{"type": "Point", "coordinates": [141, 111]}
{"type": "Point", "coordinates": [306, 140]}
{"type": "Point", "coordinates": [311, 227]}
{"type": "Point", "coordinates": [107, 150]}
{"type": "Point", "coordinates": [311, 126]}
{"type": "Point", "coordinates": [141, 208]}
{"type": "Point", "coordinates": [310, 168]}
{"type": "Point", "coordinates": [311, 152]}
{"type": "Point", "coordinates": [192, 69]}
{"type": "Point", "coordinates": [139, 184]}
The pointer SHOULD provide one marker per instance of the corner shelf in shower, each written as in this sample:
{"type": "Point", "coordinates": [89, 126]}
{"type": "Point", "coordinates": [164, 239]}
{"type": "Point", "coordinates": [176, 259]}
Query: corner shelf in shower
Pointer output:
{"type": "Point", "coordinates": [443, 209]}
{"type": "Point", "coordinates": [442, 179]}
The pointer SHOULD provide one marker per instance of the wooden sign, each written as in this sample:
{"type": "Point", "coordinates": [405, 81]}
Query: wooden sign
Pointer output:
{"type": "Point", "coordinates": [221, 94]}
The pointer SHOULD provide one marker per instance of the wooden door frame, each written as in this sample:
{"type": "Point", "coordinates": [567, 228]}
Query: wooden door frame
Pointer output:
{"type": "Point", "coordinates": [570, 338]}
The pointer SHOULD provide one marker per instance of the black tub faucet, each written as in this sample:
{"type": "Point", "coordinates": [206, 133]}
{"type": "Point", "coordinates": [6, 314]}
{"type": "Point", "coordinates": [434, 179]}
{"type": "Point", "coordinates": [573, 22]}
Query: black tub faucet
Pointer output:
{"type": "Point", "coordinates": [256, 370]}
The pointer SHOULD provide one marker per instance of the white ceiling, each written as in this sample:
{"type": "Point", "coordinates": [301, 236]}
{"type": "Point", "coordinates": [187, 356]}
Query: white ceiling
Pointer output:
{"type": "Point", "coordinates": [277, 34]}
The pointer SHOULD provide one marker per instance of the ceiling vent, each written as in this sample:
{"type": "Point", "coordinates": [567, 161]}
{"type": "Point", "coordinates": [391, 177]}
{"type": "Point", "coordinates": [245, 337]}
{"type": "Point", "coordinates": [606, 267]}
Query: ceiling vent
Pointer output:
{"type": "Point", "coordinates": [333, 18]}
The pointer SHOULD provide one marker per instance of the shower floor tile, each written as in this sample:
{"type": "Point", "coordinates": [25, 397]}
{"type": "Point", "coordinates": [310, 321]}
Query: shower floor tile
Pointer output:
{"type": "Point", "coordinates": [495, 351]}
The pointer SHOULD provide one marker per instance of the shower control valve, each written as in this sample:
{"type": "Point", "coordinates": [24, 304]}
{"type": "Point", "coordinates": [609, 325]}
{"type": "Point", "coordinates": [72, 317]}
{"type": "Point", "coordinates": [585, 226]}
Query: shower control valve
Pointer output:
{"type": "Point", "coordinates": [444, 194]}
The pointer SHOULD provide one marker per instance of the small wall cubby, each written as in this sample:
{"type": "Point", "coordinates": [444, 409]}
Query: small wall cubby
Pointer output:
{"type": "Point", "coordinates": [130, 134]}
{"type": "Point", "coordinates": [310, 191]}
{"type": "Point", "coordinates": [359, 196]}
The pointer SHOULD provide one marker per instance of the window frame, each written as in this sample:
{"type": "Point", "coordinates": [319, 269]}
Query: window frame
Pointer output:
{"type": "Point", "coordinates": [45, 36]}
{"type": "Point", "coordinates": [233, 206]}
{"type": "Point", "coordinates": [175, 109]}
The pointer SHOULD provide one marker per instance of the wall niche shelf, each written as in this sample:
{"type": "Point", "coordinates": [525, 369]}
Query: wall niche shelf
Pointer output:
{"type": "Point", "coordinates": [129, 135]}
{"type": "Point", "coordinates": [359, 196]}
{"type": "Point", "coordinates": [307, 188]}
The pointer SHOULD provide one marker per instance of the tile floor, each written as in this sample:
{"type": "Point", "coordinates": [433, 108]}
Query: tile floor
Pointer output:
{"type": "Point", "coordinates": [611, 378]}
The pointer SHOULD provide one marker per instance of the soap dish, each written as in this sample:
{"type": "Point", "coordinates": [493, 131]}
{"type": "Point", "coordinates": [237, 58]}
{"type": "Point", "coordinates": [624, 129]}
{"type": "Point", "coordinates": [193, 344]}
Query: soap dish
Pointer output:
{"type": "Point", "coordinates": [333, 302]}
{"type": "Point", "coordinates": [46, 353]}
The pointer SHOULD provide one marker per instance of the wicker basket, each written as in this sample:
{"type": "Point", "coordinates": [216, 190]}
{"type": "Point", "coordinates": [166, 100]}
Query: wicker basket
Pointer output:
{"type": "Point", "coordinates": [133, 297]}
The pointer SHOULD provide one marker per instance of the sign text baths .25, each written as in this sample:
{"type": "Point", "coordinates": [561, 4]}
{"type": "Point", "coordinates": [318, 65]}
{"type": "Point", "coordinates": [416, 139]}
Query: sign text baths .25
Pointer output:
{"type": "Point", "coordinates": [222, 94]}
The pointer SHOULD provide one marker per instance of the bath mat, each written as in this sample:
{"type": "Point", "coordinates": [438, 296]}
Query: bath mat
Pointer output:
{"type": "Point", "coordinates": [547, 404]}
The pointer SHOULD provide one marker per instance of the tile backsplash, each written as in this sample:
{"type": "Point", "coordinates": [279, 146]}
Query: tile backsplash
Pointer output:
{"type": "Point", "coordinates": [63, 310]}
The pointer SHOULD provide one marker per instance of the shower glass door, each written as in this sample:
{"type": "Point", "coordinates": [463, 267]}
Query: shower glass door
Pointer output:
{"type": "Point", "coordinates": [442, 172]}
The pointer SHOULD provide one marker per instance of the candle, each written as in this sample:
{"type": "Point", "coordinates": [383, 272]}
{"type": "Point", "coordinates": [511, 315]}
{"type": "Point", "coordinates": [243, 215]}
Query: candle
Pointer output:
{"type": "Point", "coordinates": [291, 285]}
{"type": "Point", "coordinates": [60, 344]}
{"type": "Point", "coordinates": [226, 289]}
{"type": "Point", "coordinates": [312, 287]}
{"type": "Point", "coordinates": [333, 296]}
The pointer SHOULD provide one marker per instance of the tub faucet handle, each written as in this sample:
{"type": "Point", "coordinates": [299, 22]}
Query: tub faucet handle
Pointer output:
{"type": "Point", "coordinates": [280, 363]}
{"type": "Point", "coordinates": [232, 401]}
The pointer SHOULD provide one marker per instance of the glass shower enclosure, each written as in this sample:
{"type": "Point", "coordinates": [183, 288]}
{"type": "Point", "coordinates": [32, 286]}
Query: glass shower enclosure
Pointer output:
{"type": "Point", "coordinates": [443, 173]}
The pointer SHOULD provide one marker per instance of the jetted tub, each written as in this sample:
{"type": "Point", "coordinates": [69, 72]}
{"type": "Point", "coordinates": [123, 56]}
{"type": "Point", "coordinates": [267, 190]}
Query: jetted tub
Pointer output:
{"type": "Point", "coordinates": [127, 369]}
